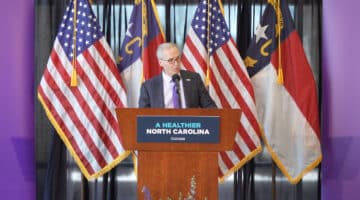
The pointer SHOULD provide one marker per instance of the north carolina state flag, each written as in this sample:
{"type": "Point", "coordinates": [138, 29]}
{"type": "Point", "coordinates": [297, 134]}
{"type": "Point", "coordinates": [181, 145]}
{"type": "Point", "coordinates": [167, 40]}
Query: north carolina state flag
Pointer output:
{"type": "Point", "coordinates": [285, 93]}
{"type": "Point", "coordinates": [137, 57]}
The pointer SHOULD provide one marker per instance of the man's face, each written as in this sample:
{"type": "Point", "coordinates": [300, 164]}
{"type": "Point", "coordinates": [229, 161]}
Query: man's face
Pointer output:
{"type": "Point", "coordinates": [170, 61]}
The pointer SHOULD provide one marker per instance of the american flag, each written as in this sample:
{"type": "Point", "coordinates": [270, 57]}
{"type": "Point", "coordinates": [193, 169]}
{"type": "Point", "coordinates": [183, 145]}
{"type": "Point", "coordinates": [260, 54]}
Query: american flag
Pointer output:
{"type": "Point", "coordinates": [288, 110]}
{"type": "Point", "coordinates": [209, 46]}
{"type": "Point", "coordinates": [137, 57]}
{"type": "Point", "coordinates": [84, 115]}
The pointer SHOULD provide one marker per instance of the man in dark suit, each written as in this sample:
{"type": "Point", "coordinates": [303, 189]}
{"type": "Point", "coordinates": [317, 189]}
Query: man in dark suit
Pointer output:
{"type": "Point", "coordinates": [157, 92]}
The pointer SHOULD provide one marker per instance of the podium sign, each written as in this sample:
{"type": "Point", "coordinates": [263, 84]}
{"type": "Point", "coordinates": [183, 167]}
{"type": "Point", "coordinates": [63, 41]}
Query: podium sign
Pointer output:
{"type": "Point", "coordinates": [187, 129]}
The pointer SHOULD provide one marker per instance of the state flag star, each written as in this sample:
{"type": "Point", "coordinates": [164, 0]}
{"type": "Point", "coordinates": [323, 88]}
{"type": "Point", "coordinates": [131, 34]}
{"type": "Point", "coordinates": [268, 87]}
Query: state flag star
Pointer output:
{"type": "Point", "coordinates": [260, 32]}
{"type": "Point", "coordinates": [128, 33]}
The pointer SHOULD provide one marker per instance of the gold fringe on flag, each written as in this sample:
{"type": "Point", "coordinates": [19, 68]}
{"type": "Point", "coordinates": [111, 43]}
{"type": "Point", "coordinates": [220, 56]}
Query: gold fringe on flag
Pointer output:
{"type": "Point", "coordinates": [73, 82]}
{"type": "Point", "coordinates": [207, 80]}
{"type": "Point", "coordinates": [135, 163]}
{"type": "Point", "coordinates": [280, 78]}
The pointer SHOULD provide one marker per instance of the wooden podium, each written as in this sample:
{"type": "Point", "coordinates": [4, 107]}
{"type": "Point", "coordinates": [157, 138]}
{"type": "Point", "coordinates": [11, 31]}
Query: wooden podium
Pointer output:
{"type": "Point", "coordinates": [172, 170]}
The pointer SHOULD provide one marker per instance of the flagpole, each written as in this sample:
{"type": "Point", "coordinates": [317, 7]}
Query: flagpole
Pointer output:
{"type": "Point", "coordinates": [207, 80]}
{"type": "Point", "coordinates": [143, 32]}
{"type": "Point", "coordinates": [73, 82]}
{"type": "Point", "coordinates": [280, 78]}
{"type": "Point", "coordinates": [273, 180]}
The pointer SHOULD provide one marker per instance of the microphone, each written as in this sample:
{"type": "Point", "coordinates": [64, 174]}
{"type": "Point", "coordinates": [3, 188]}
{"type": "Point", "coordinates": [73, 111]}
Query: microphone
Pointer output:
{"type": "Point", "coordinates": [176, 79]}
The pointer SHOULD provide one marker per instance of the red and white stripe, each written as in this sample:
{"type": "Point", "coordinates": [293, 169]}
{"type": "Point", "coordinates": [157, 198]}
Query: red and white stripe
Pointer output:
{"type": "Point", "coordinates": [230, 87]}
{"type": "Point", "coordinates": [84, 115]}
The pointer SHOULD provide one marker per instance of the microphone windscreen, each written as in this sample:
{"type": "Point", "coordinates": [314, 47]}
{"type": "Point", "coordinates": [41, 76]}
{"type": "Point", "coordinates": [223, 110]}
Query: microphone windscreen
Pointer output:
{"type": "Point", "coordinates": [176, 77]}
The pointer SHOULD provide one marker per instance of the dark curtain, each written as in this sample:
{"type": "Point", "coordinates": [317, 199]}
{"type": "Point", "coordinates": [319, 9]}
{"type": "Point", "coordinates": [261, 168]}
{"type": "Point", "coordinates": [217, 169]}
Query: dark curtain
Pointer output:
{"type": "Point", "coordinates": [58, 177]}
{"type": "Point", "coordinates": [51, 165]}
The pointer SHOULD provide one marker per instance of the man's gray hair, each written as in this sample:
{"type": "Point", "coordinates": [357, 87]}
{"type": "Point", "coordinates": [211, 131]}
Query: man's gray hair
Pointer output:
{"type": "Point", "coordinates": [164, 46]}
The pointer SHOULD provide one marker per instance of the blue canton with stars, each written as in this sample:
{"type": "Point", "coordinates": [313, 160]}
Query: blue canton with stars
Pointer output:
{"type": "Point", "coordinates": [219, 31]}
{"type": "Point", "coordinates": [88, 29]}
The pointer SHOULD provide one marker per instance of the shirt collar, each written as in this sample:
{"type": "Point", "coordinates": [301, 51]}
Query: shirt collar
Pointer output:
{"type": "Point", "coordinates": [166, 77]}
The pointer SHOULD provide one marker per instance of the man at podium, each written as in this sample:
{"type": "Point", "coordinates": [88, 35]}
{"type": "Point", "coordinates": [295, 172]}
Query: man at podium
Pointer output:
{"type": "Point", "coordinates": [174, 88]}
{"type": "Point", "coordinates": [177, 160]}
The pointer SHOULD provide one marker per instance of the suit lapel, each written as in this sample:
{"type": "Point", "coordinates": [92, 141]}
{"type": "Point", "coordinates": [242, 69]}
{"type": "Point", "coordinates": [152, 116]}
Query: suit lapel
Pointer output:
{"type": "Point", "coordinates": [187, 84]}
{"type": "Point", "coordinates": [159, 92]}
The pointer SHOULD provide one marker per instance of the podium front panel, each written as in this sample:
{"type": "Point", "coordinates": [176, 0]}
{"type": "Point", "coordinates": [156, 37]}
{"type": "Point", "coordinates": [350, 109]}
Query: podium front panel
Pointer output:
{"type": "Point", "coordinates": [175, 174]}
{"type": "Point", "coordinates": [174, 170]}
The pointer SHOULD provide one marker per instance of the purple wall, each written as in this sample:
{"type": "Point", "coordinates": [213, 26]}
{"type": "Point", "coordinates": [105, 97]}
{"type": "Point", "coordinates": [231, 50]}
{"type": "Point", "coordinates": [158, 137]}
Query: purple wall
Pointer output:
{"type": "Point", "coordinates": [341, 100]}
{"type": "Point", "coordinates": [17, 160]}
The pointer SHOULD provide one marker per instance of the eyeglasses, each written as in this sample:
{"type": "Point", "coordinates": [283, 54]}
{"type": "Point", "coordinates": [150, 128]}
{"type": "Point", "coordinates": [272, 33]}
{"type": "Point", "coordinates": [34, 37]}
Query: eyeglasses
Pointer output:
{"type": "Point", "coordinates": [172, 60]}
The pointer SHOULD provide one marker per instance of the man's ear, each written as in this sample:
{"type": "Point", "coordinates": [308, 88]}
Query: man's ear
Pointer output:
{"type": "Point", "coordinates": [161, 63]}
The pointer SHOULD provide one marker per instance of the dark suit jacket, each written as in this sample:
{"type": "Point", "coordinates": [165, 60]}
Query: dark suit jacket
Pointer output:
{"type": "Point", "coordinates": [196, 95]}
